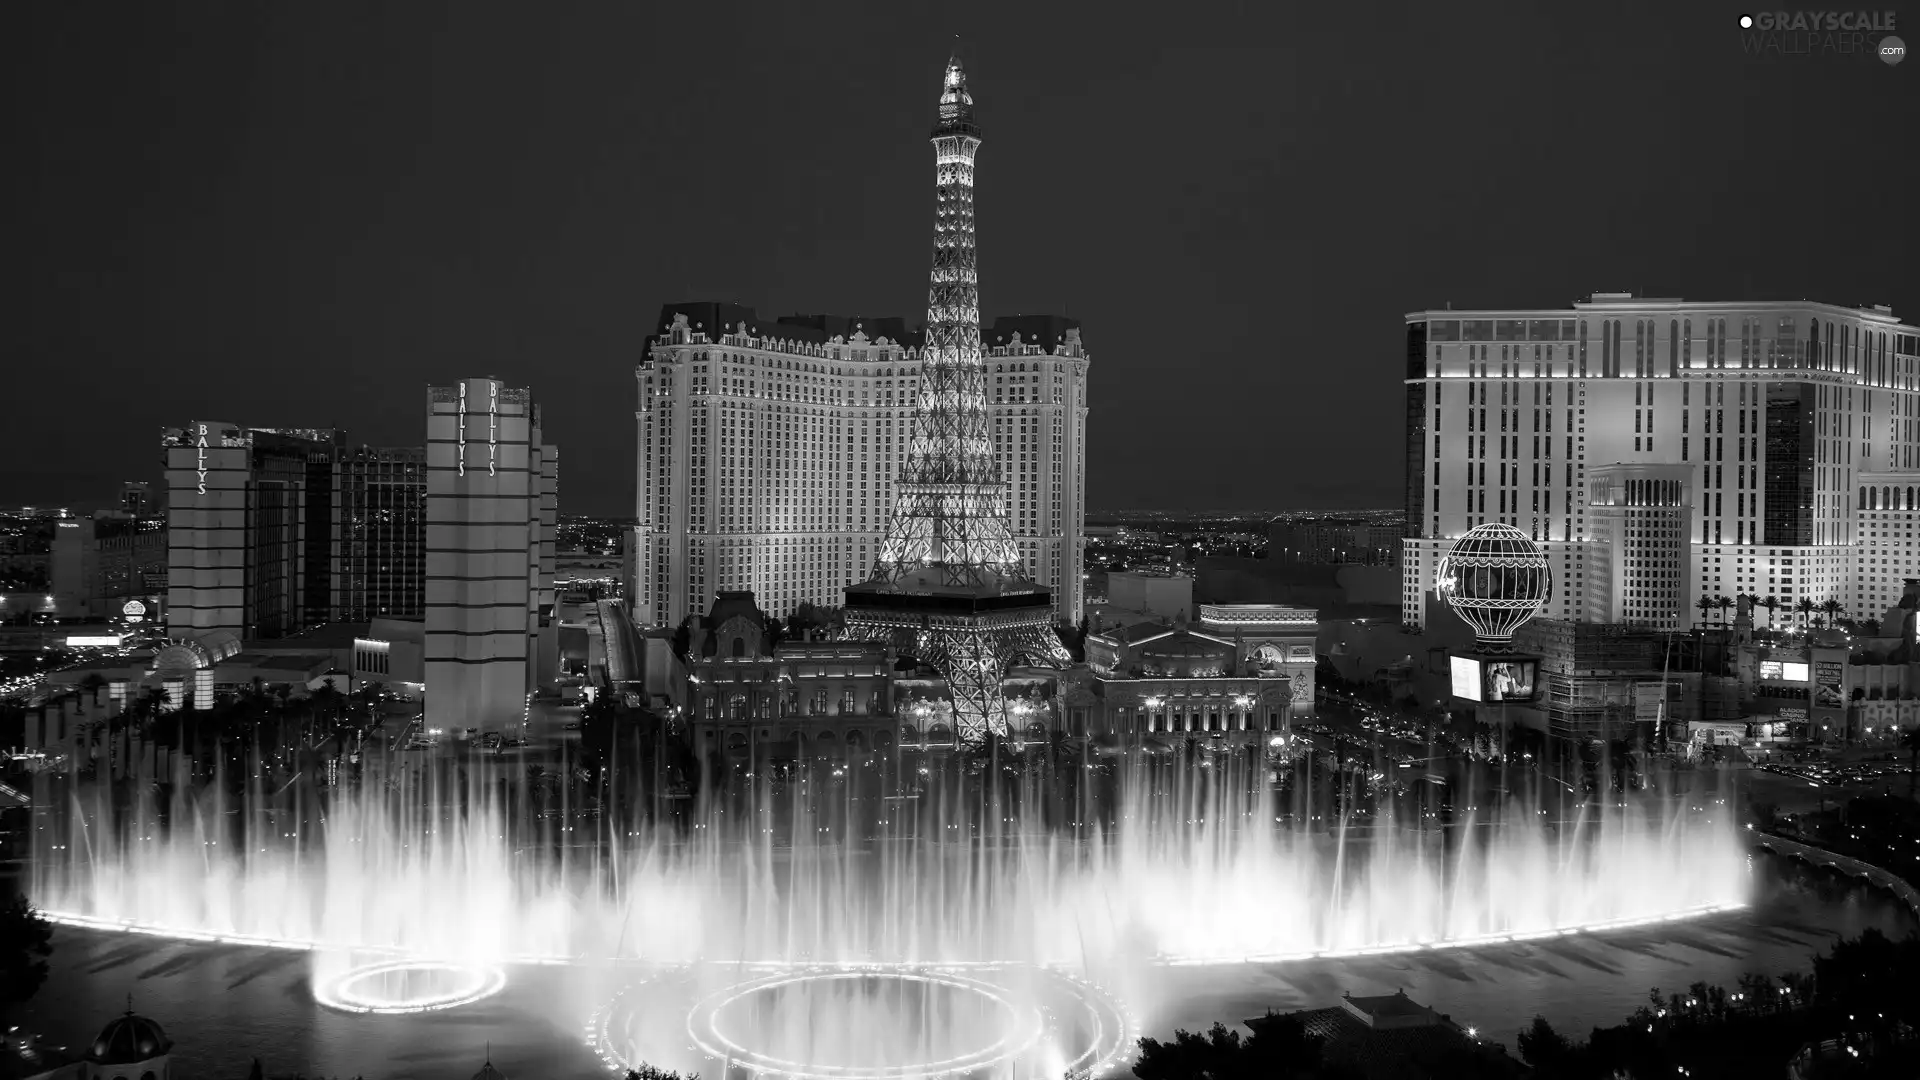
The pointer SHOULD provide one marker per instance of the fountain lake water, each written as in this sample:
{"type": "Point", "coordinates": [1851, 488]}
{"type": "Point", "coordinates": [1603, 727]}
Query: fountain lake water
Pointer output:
{"type": "Point", "coordinates": [824, 934]}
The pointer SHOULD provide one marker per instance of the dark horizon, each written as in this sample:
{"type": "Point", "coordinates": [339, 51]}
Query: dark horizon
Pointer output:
{"type": "Point", "coordinates": [306, 216]}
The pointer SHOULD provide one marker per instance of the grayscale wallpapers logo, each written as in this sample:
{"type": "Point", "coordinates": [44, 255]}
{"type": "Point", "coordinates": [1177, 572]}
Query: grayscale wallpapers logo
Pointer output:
{"type": "Point", "coordinates": [1817, 33]}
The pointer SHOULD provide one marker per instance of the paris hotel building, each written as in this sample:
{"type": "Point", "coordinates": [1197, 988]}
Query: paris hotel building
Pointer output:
{"type": "Point", "coordinates": [1662, 451]}
{"type": "Point", "coordinates": [769, 450]}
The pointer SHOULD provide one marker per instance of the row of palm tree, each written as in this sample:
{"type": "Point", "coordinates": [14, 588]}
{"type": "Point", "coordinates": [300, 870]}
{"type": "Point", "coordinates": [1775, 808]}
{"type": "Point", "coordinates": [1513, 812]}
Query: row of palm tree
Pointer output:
{"type": "Point", "coordinates": [1829, 611]}
{"type": "Point", "coordinates": [233, 724]}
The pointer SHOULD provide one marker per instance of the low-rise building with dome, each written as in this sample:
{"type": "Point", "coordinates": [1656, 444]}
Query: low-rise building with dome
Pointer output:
{"type": "Point", "coordinates": [130, 1047]}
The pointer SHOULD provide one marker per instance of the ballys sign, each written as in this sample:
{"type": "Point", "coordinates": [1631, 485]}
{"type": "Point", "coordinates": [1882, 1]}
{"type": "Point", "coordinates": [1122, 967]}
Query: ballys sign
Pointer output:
{"type": "Point", "coordinates": [200, 463]}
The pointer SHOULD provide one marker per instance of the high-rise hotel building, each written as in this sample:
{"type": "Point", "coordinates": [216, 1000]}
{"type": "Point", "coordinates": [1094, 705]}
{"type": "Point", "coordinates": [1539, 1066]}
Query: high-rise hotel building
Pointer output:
{"type": "Point", "coordinates": [491, 501]}
{"type": "Point", "coordinates": [769, 450]}
{"type": "Point", "coordinates": [274, 530]}
{"type": "Point", "coordinates": [379, 533]}
{"type": "Point", "coordinates": [247, 528]}
{"type": "Point", "coordinates": [1662, 451]}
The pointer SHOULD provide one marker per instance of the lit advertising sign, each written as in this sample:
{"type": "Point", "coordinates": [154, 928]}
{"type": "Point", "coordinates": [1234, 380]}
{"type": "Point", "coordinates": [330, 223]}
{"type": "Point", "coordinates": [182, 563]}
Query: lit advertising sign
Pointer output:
{"type": "Point", "coordinates": [1827, 676]}
{"type": "Point", "coordinates": [1783, 670]}
{"type": "Point", "coordinates": [133, 608]}
{"type": "Point", "coordinates": [1466, 677]}
{"type": "Point", "coordinates": [1509, 680]}
{"type": "Point", "coordinates": [200, 465]}
{"type": "Point", "coordinates": [1495, 679]}
{"type": "Point", "coordinates": [93, 641]}
{"type": "Point", "coordinates": [493, 429]}
{"type": "Point", "coordinates": [462, 462]}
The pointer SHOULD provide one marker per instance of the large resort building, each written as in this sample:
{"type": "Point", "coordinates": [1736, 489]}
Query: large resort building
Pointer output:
{"type": "Point", "coordinates": [769, 451]}
{"type": "Point", "coordinates": [1663, 451]}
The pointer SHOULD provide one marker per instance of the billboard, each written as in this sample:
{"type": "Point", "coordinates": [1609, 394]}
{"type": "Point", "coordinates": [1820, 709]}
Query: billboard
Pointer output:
{"type": "Point", "coordinates": [1510, 680]}
{"type": "Point", "coordinates": [1827, 676]}
{"type": "Point", "coordinates": [1466, 677]}
{"type": "Point", "coordinates": [1783, 670]}
{"type": "Point", "coordinates": [93, 641]}
{"type": "Point", "coordinates": [1494, 679]}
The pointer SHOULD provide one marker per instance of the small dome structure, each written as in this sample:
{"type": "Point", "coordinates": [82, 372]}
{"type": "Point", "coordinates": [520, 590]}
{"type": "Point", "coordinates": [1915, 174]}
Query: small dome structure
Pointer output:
{"type": "Point", "coordinates": [129, 1039]}
{"type": "Point", "coordinates": [132, 1047]}
{"type": "Point", "coordinates": [1495, 579]}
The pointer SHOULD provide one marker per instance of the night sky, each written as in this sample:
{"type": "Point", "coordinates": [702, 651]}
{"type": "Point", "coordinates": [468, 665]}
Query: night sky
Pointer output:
{"type": "Point", "coordinates": [303, 214]}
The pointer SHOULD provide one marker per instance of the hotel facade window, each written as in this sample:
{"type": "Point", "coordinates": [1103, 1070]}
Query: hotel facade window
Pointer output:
{"type": "Point", "coordinates": [768, 451]}
{"type": "Point", "coordinates": [1785, 413]}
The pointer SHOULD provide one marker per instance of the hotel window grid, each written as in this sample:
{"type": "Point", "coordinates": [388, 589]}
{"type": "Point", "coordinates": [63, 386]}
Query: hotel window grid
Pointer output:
{"type": "Point", "coordinates": [1784, 496]}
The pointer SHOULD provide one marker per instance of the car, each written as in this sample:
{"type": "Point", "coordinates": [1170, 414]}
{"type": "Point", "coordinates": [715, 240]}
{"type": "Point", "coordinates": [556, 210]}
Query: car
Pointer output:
{"type": "Point", "coordinates": [572, 725]}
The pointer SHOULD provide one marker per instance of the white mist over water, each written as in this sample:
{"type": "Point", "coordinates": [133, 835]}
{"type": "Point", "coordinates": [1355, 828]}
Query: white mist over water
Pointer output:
{"type": "Point", "coordinates": [1193, 872]}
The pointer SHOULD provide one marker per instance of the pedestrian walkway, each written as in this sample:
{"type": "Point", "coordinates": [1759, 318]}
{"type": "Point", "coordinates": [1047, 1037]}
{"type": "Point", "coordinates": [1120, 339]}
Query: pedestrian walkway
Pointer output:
{"type": "Point", "coordinates": [1885, 879]}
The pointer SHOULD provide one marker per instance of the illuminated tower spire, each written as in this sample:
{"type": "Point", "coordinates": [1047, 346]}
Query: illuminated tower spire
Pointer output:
{"type": "Point", "coordinates": [952, 506]}
{"type": "Point", "coordinates": [947, 587]}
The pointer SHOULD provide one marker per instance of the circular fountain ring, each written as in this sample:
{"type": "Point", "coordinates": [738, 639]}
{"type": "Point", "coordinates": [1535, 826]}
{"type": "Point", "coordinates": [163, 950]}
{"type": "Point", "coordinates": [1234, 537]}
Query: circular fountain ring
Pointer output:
{"type": "Point", "coordinates": [1088, 1027]}
{"type": "Point", "coordinates": [460, 984]}
{"type": "Point", "coordinates": [1020, 1027]}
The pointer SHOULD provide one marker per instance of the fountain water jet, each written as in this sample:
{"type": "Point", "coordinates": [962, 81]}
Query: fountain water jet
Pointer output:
{"type": "Point", "coordinates": [1167, 864]}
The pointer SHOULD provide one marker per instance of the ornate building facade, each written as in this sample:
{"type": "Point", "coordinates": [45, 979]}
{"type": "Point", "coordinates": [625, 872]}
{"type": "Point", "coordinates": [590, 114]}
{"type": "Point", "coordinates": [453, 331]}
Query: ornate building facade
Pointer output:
{"type": "Point", "coordinates": [755, 698]}
{"type": "Point", "coordinates": [769, 453]}
{"type": "Point", "coordinates": [1241, 674]}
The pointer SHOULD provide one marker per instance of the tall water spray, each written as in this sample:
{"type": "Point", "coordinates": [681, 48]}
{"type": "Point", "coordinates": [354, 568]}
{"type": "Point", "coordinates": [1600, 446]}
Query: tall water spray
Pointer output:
{"type": "Point", "coordinates": [1190, 865]}
{"type": "Point", "coordinates": [1160, 863]}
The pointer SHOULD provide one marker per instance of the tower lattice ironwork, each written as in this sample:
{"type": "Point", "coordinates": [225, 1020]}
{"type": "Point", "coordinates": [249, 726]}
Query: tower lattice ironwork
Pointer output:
{"type": "Point", "coordinates": [948, 586]}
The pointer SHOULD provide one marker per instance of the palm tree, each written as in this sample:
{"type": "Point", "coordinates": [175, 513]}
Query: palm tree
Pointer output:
{"type": "Point", "coordinates": [1772, 604]}
{"type": "Point", "coordinates": [1705, 604]}
{"type": "Point", "coordinates": [1723, 603]}
{"type": "Point", "coordinates": [1832, 609]}
{"type": "Point", "coordinates": [1803, 608]}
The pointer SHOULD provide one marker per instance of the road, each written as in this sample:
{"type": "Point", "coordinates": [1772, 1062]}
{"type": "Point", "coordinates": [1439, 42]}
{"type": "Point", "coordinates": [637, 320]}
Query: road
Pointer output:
{"type": "Point", "coordinates": [622, 644]}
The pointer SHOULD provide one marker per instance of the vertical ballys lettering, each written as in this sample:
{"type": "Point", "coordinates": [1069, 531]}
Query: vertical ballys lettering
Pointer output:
{"type": "Point", "coordinates": [462, 460]}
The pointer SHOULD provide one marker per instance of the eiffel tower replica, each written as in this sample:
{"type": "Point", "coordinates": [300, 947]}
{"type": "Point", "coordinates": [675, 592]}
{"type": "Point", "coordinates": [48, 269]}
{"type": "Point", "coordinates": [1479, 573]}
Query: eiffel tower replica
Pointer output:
{"type": "Point", "coordinates": [948, 587]}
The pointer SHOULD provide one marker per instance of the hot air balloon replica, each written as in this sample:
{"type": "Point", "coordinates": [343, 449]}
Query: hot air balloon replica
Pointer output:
{"type": "Point", "coordinates": [1495, 579]}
